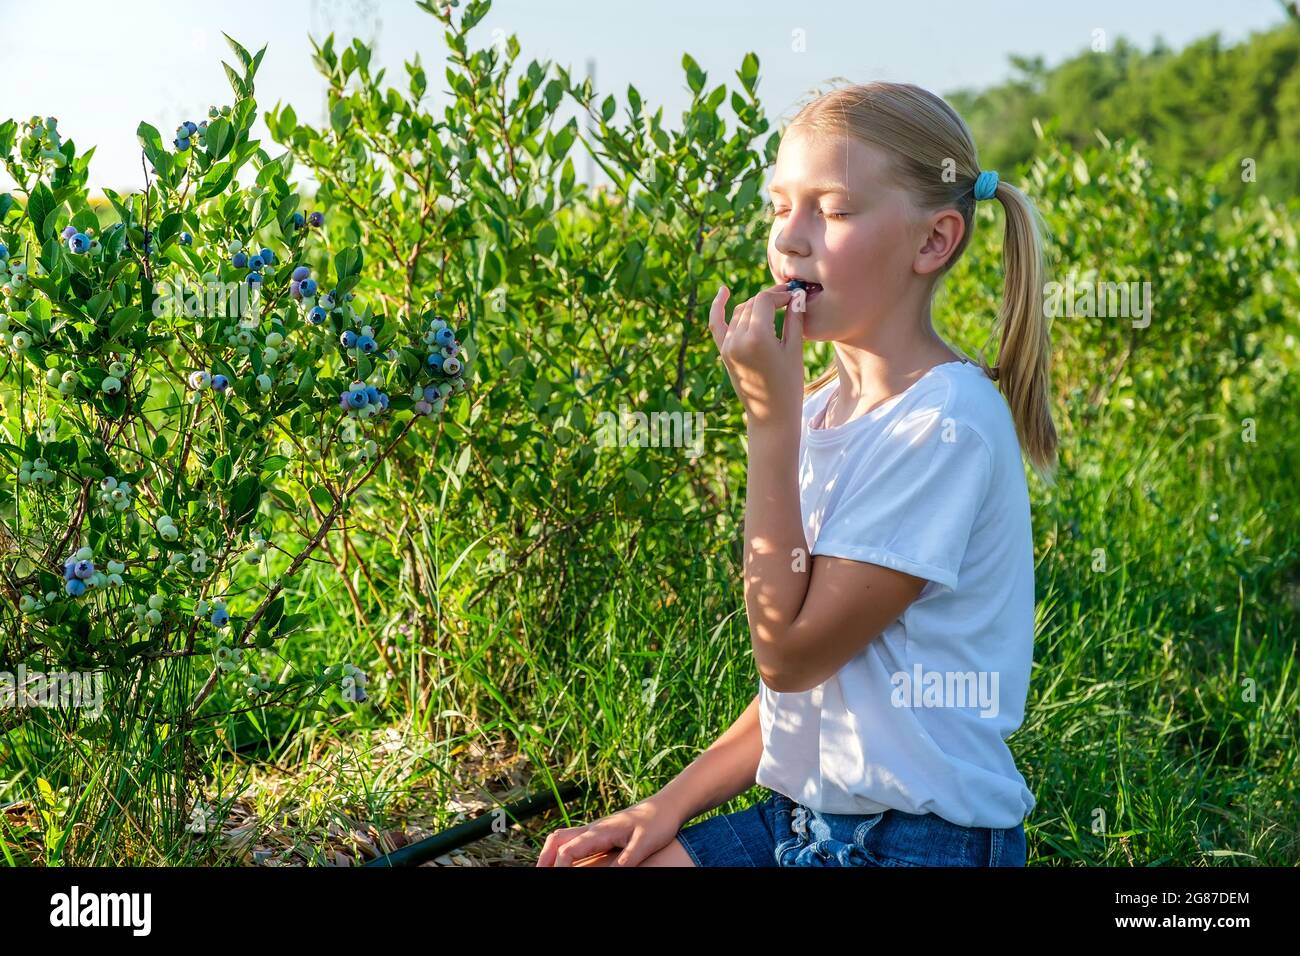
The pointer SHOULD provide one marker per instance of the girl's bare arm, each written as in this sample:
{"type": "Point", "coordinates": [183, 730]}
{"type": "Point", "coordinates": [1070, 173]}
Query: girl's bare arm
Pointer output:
{"type": "Point", "coordinates": [725, 770]}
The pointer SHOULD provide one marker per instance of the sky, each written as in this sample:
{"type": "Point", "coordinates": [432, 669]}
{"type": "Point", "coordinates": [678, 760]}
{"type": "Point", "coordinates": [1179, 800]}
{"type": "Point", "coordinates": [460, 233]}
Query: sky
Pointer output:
{"type": "Point", "coordinates": [101, 68]}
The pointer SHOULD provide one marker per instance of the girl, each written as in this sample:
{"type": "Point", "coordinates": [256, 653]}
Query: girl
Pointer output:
{"type": "Point", "coordinates": [894, 654]}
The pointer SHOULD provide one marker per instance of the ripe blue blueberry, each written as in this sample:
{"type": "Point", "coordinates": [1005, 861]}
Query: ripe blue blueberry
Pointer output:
{"type": "Point", "coordinates": [349, 339]}
{"type": "Point", "coordinates": [357, 398]}
{"type": "Point", "coordinates": [795, 284]}
{"type": "Point", "coordinates": [367, 344]}
{"type": "Point", "coordinates": [220, 617]}
{"type": "Point", "coordinates": [220, 382]}
{"type": "Point", "coordinates": [316, 316]}
{"type": "Point", "coordinates": [300, 273]}
{"type": "Point", "coordinates": [308, 287]}
{"type": "Point", "coordinates": [372, 394]}
{"type": "Point", "coordinates": [267, 256]}
{"type": "Point", "coordinates": [239, 260]}
{"type": "Point", "coordinates": [444, 337]}
{"type": "Point", "coordinates": [191, 127]}
{"type": "Point", "coordinates": [68, 232]}
{"type": "Point", "coordinates": [181, 144]}
{"type": "Point", "coordinates": [298, 220]}
{"type": "Point", "coordinates": [435, 360]}
{"type": "Point", "coordinates": [254, 278]}
{"type": "Point", "coordinates": [4, 251]}
{"type": "Point", "coordinates": [316, 219]}
{"type": "Point", "coordinates": [76, 587]}
{"type": "Point", "coordinates": [295, 290]}
{"type": "Point", "coordinates": [78, 243]}
{"type": "Point", "coordinates": [257, 263]}
{"type": "Point", "coordinates": [186, 239]}
{"type": "Point", "coordinates": [83, 569]}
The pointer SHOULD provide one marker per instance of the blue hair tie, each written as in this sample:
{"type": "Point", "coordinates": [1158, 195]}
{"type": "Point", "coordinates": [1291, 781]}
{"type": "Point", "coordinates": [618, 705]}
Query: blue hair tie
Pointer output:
{"type": "Point", "coordinates": [986, 184]}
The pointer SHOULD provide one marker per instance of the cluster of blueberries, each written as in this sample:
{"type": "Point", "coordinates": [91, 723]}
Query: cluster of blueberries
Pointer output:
{"type": "Point", "coordinates": [365, 342]}
{"type": "Point", "coordinates": [354, 684]}
{"type": "Point", "coordinates": [78, 242]}
{"type": "Point", "coordinates": [201, 380]}
{"type": "Point", "coordinates": [255, 263]}
{"type": "Point", "coordinates": [189, 131]}
{"type": "Point", "coordinates": [110, 386]}
{"type": "Point", "coordinates": [445, 359]}
{"type": "Point", "coordinates": [150, 613]}
{"type": "Point", "coordinates": [432, 398]}
{"type": "Point", "coordinates": [116, 494]}
{"type": "Point", "coordinates": [363, 401]}
{"type": "Point", "coordinates": [38, 470]}
{"type": "Point", "coordinates": [41, 138]}
{"type": "Point", "coordinates": [79, 573]}
{"type": "Point", "coordinates": [314, 219]}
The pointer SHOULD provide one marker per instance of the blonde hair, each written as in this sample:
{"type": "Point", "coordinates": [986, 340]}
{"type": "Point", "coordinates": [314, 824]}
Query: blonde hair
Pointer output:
{"type": "Point", "coordinates": [923, 136]}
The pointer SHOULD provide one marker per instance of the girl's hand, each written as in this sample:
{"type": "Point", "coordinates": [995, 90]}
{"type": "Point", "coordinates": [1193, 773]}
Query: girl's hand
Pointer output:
{"type": "Point", "coordinates": [766, 372]}
{"type": "Point", "coordinates": [639, 831]}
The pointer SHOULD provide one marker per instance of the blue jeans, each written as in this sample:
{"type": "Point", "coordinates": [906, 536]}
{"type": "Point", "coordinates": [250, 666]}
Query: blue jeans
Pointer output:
{"type": "Point", "coordinates": [780, 832]}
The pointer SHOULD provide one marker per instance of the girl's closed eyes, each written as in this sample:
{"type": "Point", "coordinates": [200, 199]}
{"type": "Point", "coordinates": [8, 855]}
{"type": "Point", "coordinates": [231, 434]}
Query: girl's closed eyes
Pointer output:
{"type": "Point", "coordinates": [775, 212]}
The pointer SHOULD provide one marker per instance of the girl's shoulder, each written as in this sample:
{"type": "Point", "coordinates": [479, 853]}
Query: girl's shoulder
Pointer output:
{"type": "Point", "coordinates": [957, 397]}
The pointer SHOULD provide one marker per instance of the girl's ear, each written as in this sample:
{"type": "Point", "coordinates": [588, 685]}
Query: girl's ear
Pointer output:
{"type": "Point", "coordinates": [946, 228]}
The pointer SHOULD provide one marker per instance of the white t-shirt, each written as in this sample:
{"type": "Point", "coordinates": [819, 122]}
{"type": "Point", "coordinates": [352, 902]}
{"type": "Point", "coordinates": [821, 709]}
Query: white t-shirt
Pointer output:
{"type": "Point", "coordinates": [929, 482]}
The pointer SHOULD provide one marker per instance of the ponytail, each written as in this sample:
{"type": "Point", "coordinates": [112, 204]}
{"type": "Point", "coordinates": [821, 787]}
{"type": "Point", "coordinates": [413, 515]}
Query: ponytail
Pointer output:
{"type": "Point", "coordinates": [1025, 351]}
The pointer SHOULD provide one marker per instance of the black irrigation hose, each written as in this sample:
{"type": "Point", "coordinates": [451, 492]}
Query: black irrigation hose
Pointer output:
{"type": "Point", "coordinates": [470, 830]}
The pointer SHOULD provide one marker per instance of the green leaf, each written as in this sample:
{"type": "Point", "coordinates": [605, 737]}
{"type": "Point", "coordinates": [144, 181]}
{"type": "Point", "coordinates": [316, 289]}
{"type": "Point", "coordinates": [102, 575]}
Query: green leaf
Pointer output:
{"type": "Point", "coordinates": [169, 227]}
{"type": "Point", "coordinates": [221, 468]}
{"type": "Point", "coordinates": [694, 75]}
{"type": "Point", "coordinates": [153, 146]}
{"type": "Point", "coordinates": [272, 615]}
{"type": "Point", "coordinates": [244, 499]}
{"type": "Point", "coordinates": [348, 263]}
{"type": "Point", "coordinates": [292, 622]}
{"type": "Point", "coordinates": [320, 494]}
{"type": "Point", "coordinates": [217, 179]}
{"type": "Point", "coordinates": [240, 52]}
{"type": "Point", "coordinates": [341, 116]}
{"type": "Point", "coordinates": [220, 137]}
{"type": "Point", "coordinates": [39, 207]}
{"type": "Point", "coordinates": [749, 71]}
{"type": "Point", "coordinates": [123, 321]}
{"type": "Point", "coordinates": [273, 464]}
{"type": "Point", "coordinates": [306, 383]}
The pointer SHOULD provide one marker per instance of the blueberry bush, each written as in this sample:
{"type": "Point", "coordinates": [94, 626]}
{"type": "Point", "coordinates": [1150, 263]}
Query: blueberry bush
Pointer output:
{"type": "Point", "coordinates": [194, 396]}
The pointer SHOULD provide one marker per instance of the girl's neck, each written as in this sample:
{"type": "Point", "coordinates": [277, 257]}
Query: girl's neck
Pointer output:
{"type": "Point", "coordinates": [870, 372]}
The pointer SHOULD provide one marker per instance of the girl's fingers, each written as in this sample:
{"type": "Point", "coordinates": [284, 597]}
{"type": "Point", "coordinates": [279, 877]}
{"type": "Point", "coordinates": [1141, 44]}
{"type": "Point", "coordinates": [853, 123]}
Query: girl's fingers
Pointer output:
{"type": "Point", "coordinates": [740, 318]}
{"type": "Point", "coordinates": [718, 316]}
{"type": "Point", "coordinates": [589, 844]}
{"type": "Point", "coordinates": [554, 840]}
